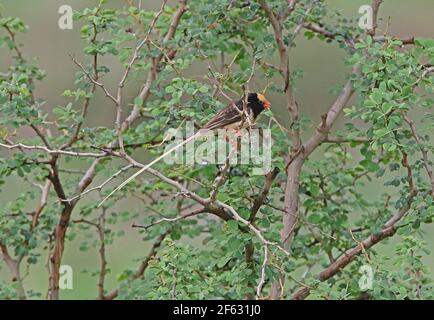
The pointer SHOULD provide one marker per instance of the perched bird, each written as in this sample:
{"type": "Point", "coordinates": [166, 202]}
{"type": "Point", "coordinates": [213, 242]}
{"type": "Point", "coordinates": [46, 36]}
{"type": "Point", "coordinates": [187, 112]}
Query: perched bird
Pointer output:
{"type": "Point", "coordinates": [231, 117]}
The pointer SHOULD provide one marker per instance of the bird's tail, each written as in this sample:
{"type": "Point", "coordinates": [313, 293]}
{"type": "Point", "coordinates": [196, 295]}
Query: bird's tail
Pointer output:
{"type": "Point", "coordinates": [143, 169]}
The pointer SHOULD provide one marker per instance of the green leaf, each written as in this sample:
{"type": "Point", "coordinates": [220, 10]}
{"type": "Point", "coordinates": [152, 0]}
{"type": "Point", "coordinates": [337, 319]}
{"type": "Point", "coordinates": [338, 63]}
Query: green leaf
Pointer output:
{"type": "Point", "coordinates": [223, 261]}
{"type": "Point", "coordinates": [232, 225]}
{"type": "Point", "coordinates": [203, 89]}
{"type": "Point", "coordinates": [389, 147]}
{"type": "Point", "coordinates": [386, 107]}
{"type": "Point", "coordinates": [377, 97]}
{"type": "Point", "coordinates": [314, 218]}
{"type": "Point", "coordinates": [170, 89]}
{"type": "Point", "coordinates": [379, 133]}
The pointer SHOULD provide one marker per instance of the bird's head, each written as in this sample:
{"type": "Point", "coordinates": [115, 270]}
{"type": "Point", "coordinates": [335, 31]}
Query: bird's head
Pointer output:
{"type": "Point", "coordinates": [264, 101]}
{"type": "Point", "coordinates": [258, 103]}
{"type": "Point", "coordinates": [257, 98]}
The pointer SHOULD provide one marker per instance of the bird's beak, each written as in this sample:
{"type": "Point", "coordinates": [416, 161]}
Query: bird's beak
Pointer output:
{"type": "Point", "coordinates": [267, 104]}
{"type": "Point", "coordinates": [264, 101]}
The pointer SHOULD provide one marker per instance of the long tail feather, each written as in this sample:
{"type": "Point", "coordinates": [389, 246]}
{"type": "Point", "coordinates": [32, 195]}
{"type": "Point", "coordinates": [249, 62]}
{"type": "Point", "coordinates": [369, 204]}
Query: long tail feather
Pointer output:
{"type": "Point", "coordinates": [123, 184]}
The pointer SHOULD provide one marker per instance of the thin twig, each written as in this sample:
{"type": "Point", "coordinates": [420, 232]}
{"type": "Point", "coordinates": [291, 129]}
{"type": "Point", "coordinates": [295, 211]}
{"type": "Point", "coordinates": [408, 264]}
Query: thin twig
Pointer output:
{"type": "Point", "coordinates": [99, 187]}
{"type": "Point", "coordinates": [53, 151]}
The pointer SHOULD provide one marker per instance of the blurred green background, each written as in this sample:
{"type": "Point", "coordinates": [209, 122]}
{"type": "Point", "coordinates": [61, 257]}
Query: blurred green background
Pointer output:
{"type": "Point", "coordinates": [321, 62]}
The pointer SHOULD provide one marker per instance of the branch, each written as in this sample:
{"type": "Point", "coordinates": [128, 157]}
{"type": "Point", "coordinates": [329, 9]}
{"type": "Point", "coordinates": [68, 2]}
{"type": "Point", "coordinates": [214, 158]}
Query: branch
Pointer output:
{"type": "Point", "coordinates": [152, 74]}
{"type": "Point", "coordinates": [292, 181]}
{"type": "Point", "coordinates": [99, 187]}
{"type": "Point", "coordinates": [40, 135]}
{"type": "Point", "coordinates": [13, 41]}
{"type": "Point", "coordinates": [277, 29]}
{"type": "Point", "coordinates": [181, 217]}
{"type": "Point", "coordinates": [84, 221]}
{"type": "Point", "coordinates": [121, 84]}
{"type": "Point", "coordinates": [375, 8]}
{"type": "Point", "coordinates": [102, 253]}
{"type": "Point", "coordinates": [347, 258]}
{"type": "Point", "coordinates": [389, 229]}
{"type": "Point", "coordinates": [95, 82]}
{"type": "Point", "coordinates": [53, 151]}
{"type": "Point", "coordinates": [42, 204]}
{"type": "Point", "coordinates": [218, 208]}
{"type": "Point", "coordinates": [424, 152]}
{"type": "Point", "coordinates": [260, 199]}
{"type": "Point", "coordinates": [265, 244]}
{"type": "Point", "coordinates": [144, 94]}
{"type": "Point", "coordinates": [14, 268]}
{"type": "Point", "coordinates": [338, 140]}
{"type": "Point", "coordinates": [405, 40]}
{"type": "Point", "coordinates": [142, 268]}
{"type": "Point", "coordinates": [220, 179]}
{"type": "Point", "coordinates": [139, 46]}
{"type": "Point", "coordinates": [100, 227]}
{"type": "Point", "coordinates": [330, 117]}
{"type": "Point", "coordinates": [86, 180]}
{"type": "Point", "coordinates": [316, 28]}
{"type": "Point", "coordinates": [289, 9]}
{"type": "Point", "coordinates": [184, 191]}
{"type": "Point", "coordinates": [87, 99]}
{"type": "Point", "coordinates": [296, 158]}
{"type": "Point", "coordinates": [21, 58]}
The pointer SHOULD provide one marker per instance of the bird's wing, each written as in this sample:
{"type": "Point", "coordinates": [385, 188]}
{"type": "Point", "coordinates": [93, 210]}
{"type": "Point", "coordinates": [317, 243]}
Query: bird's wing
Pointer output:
{"type": "Point", "coordinates": [228, 115]}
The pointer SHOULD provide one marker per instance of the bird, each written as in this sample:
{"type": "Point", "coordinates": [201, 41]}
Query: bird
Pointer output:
{"type": "Point", "coordinates": [231, 117]}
